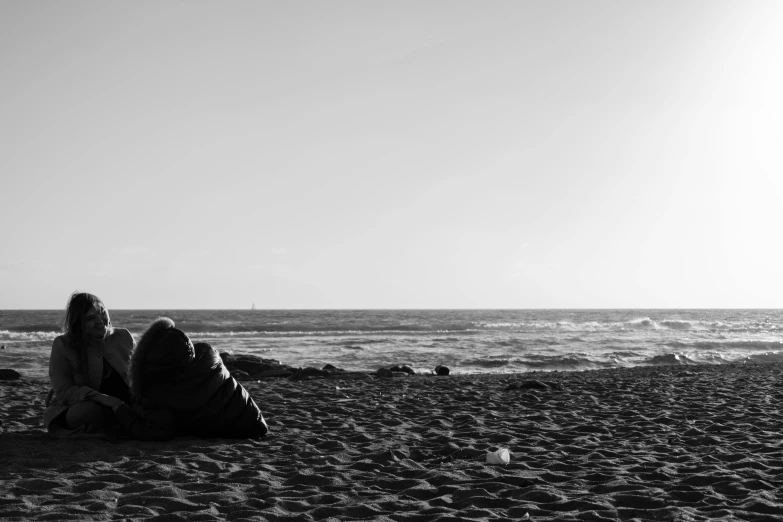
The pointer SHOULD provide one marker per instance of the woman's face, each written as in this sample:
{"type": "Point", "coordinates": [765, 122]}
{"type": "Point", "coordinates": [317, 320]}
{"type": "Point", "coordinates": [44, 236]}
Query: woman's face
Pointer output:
{"type": "Point", "coordinates": [95, 322]}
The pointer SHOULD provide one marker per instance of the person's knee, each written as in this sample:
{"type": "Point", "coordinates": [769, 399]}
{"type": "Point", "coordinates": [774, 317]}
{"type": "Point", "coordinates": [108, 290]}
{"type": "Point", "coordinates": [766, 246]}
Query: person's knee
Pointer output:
{"type": "Point", "coordinates": [85, 412]}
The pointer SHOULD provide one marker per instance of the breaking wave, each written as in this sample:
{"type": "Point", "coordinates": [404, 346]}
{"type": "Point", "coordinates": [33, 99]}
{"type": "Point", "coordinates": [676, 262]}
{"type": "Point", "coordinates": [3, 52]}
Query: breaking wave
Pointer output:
{"type": "Point", "coordinates": [669, 359]}
{"type": "Point", "coordinates": [28, 336]}
{"type": "Point", "coordinates": [465, 340]}
{"type": "Point", "coordinates": [728, 345]}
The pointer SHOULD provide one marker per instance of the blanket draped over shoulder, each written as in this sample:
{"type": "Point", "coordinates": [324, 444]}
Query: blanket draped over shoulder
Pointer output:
{"type": "Point", "coordinates": [167, 370]}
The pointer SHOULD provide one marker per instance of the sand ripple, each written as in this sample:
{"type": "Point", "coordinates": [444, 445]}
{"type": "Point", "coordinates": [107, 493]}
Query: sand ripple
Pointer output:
{"type": "Point", "coordinates": [670, 443]}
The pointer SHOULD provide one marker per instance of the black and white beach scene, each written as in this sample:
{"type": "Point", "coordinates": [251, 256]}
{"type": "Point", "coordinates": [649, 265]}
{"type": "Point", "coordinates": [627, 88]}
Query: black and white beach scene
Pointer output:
{"type": "Point", "coordinates": [392, 261]}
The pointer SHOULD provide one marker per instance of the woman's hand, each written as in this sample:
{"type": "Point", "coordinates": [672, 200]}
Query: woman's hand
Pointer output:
{"type": "Point", "coordinates": [108, 401]}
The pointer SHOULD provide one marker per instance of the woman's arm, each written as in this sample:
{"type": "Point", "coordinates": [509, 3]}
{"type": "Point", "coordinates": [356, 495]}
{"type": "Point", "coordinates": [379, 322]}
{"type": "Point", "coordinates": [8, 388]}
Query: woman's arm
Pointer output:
{"type": "Point", "coordinates": [61, 376]}
{"type": "Point", "coordinates": [107, 400]}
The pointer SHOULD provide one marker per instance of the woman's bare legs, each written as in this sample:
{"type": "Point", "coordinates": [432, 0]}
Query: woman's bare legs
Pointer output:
{"type": "Point", "coordinates": [87, 412]}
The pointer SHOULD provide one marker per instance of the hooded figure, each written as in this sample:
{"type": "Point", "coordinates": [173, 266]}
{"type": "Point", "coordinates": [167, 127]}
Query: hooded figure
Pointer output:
{"type": "Point", "coordinates": [169, 371]}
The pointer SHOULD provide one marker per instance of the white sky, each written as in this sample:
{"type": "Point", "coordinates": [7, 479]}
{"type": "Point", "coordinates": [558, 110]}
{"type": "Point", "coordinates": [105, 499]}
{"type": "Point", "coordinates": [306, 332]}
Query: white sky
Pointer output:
{"type": "Point", "coordinates": [378, 154]}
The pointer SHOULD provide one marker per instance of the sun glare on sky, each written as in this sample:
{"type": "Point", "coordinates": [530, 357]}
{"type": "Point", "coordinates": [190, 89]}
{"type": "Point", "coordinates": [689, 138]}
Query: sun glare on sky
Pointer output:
{"type": "Point", "coordinates": [538, 154]}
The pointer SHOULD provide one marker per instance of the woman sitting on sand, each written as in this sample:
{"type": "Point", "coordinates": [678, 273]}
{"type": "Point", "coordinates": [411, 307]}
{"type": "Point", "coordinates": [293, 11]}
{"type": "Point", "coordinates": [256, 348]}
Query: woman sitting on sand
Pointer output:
{"type": "Point", "coordinates": [167, 370]}
{"type": "Point", "coordinates": [88, 369]}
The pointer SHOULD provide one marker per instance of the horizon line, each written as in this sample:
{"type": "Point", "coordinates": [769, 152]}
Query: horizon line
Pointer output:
{"type": "Point", "coordinates": [406, 309]}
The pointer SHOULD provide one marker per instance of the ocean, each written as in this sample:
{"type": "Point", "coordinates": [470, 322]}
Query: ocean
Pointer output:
{"type": "Point", "coordinates": [467, 341]}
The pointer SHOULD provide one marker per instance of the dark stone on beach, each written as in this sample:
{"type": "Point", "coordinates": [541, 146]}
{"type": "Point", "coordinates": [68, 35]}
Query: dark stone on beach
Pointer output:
{"type": "Point", "coordinates": [353, 376]}
{"type": "Point", "coordinates": [282, 372]}
{"type": "Point", "coordinates": [9, 375]}
{"type": "Point", "coordinates": [384, 373]}
{"type": "Point", "coordinates": [395, 371]}
{"type": "Point", "coordinates": [250, 364]}
{"type": "Point", "coordinates": [2, 347]}
{"type": "Point", "coordinates": [340, 373]}
{"type": "Point", "coordinates": [327, 372]}
{"type": "Point", "coordinates": [441, 370]}
{"type": "Point", "coordinates": [403, 368]}
{"type": "Point", "coordinates": [304, 374]}
{"type": "Point", "coordinates": [249, 367]}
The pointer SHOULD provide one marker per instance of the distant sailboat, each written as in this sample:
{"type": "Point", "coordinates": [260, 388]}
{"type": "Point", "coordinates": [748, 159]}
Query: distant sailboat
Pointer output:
{"type": "Point", "coordinates": [254, 306]}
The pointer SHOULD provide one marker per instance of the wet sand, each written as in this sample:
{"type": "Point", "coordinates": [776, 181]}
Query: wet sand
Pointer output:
{"type": "Point", "coordinates": [666, 443]}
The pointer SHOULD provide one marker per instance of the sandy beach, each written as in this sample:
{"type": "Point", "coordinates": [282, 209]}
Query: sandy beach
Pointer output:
{"type": "Point", "coordinates": [648, 443]}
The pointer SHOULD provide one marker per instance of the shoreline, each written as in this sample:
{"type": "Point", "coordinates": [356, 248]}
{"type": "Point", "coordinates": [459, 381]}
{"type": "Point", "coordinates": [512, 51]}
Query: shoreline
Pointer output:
{"type": "Point", "coordinates": [341, 374]}
{"type": "Point", "coordinates": [690, 442]}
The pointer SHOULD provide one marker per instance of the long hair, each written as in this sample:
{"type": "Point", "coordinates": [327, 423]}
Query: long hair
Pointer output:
{"type": "Point", "coordinates": [74, 324]}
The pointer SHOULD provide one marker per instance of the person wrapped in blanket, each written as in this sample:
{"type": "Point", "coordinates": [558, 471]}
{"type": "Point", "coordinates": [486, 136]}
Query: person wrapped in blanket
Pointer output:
{"type": "Point", "coordinates": [168, 372]}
